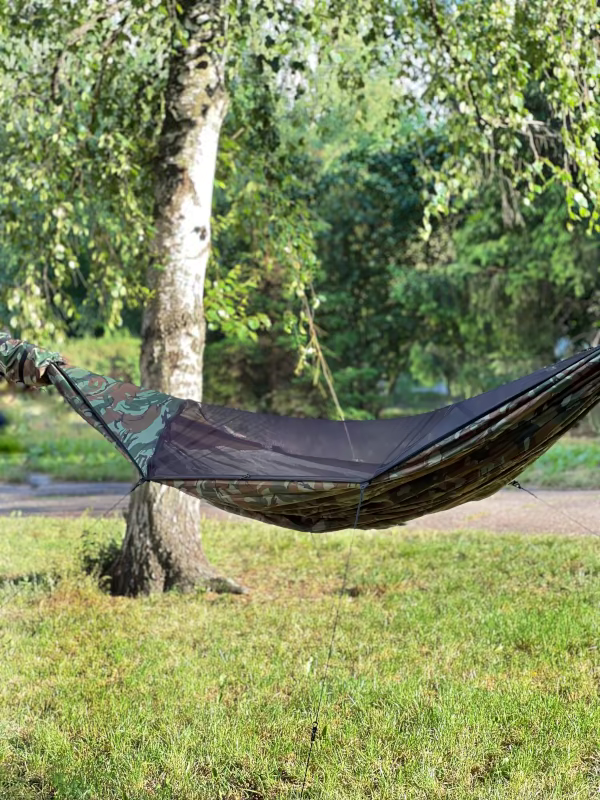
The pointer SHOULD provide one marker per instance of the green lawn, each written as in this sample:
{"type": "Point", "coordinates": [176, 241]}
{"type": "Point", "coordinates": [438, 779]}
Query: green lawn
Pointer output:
{"type": "Point", "coordinates": [572, 463]}
{"type": "Point", "coordinates": [45, 435]}
{"type": "Point", "coordinates": [466, 666]}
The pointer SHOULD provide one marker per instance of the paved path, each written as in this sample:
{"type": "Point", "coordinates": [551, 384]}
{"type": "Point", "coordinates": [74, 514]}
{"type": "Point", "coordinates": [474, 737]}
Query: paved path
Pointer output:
{"type": "Point", "coordinates": [512, 510]}
{"type": "Point", "coordinates": [63, 499]}
{"type": "Point", "coordinates": [509, 510]}
{"type": "Point", "coordinates": [72, 499]}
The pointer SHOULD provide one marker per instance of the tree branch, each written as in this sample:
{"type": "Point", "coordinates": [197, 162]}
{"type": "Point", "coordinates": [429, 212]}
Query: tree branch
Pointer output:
{"type": "Point", "coordinates": [75, 36]}
{"type": "Point", "coordinates": [482, 122]}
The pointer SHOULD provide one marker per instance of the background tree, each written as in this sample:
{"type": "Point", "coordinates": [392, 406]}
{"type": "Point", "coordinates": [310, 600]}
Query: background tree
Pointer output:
{"type": "Point", "coordinates": [346, 126]}
{"type": "Point", "coordinates": [201, 47]}
{"type": "Point", "coordinates": [162, 546]}
{"type": "Point", "coordinates": [514, 86]}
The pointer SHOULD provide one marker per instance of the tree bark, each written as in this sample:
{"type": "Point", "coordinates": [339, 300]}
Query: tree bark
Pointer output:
{"type": "Point", "coordinates": [162, 548]}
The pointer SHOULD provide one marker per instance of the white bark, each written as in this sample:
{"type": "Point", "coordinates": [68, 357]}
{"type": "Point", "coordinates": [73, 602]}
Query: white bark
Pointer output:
{"type": "Point", "coordinates": [162, 546]}
{"type": "Point", "coordinates": [173, 327]}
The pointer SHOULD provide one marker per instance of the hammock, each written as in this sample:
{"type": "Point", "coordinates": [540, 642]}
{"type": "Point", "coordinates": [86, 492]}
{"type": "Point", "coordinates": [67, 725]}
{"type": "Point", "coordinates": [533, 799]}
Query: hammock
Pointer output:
{"type": "Point", "coordinates": [310, 474]}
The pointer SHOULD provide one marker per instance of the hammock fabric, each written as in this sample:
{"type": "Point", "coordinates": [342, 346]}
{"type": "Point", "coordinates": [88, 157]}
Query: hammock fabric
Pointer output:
{"type": "Point", "coordinates": [309, 474]}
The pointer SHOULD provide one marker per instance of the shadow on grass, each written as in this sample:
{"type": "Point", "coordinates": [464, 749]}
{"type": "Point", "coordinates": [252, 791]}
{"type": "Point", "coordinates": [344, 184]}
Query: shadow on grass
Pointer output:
{"type": "Point", "coordinates": [13, 585]}
{"type": "Point", "coordinates": [99, 559]}
{"type": "Point", "coordinates": [34, 580]}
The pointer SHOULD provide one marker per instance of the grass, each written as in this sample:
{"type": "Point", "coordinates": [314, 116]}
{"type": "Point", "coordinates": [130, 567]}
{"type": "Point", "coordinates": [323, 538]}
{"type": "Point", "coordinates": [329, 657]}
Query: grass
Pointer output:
{"type": "Point", "coordinates": [465, 666]}
{"type": "Point", "coordinates": [572, 463]}
{"type": "Point", "coordinates": [46, 436]}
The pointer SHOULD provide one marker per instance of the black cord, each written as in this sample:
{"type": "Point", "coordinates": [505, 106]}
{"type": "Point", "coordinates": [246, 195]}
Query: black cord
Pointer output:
{"type": "Point", "coordinates": [92, 530]}
{"type": "Point", "coordinates": [561, 511]}
{"type": "Point", "coordinates": [315, 725]}
{"type": "Point", "coordinates": [120, 500]}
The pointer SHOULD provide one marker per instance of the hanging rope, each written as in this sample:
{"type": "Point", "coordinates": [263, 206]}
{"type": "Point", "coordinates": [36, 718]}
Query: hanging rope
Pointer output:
{"type": "Point", "coordinates": [119, 501]}
{"type": "Point", "coordinates": [328, 376]}
{"type": "Point", "coordinates": [141, 481]}
{"type": "Point", "coordinates": [336, 619]}
{"type": "Point", "coordinates": [324, 366]}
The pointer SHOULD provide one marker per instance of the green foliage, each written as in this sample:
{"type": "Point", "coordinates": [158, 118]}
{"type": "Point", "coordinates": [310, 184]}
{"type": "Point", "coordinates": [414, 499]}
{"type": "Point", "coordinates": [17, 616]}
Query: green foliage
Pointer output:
{"type": "Point", "coordinates": [475, 303]}
{"type": "Point", "coordinates": [491, 301]}
{"type": "Point", "coordinates": [116, 355]}
{"type": "Point", "coordinates": [370, 202]}
{"type": "Point", "coordinates": [45, 436]}
{"type": "Point", "coordinates": [268, 225]}
{"type": "Point", "coordinates": [264, 225]}
{"type": "Point", "coordinates": [80, 94]}
{"type": "Point", "coordinates": [346, 221]}
{"type": "Point", "coordinates": [514, 86]}
{"type": "Point", "coordinates": [9, 443]}
{"type": "Point", "coordinates": [262, 376]}
{"type": "Point", "coordinates": [99, 553]}
{"type": "Point", "coordinates": [529, 285]}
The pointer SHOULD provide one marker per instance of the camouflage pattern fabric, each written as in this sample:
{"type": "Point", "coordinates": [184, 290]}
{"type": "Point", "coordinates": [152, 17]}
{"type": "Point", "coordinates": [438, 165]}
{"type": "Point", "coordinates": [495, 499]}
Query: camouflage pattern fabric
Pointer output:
{"type": "Point", "coordinates": [25, 364]}
{"type": "Point", "coordinates": [473, 462]}
{"type": "Point", "coordinates": [130, 417]}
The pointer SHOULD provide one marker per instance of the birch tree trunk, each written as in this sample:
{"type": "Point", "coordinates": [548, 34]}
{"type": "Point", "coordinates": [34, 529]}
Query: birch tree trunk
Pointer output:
{"type": "Point", "coordinates": [162, 547]}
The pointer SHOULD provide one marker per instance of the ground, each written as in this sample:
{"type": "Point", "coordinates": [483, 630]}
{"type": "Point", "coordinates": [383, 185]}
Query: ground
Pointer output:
{"type": "Point", "coordinates": [511, 510]}
{"type": "Point", "coordinates": [466, 662]}
{"type": "Point", "coordinates": [466, 665]}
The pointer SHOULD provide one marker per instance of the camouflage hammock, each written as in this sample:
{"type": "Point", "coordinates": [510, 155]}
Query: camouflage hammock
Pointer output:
{"type": "Point", "coordinates": [310, 474]}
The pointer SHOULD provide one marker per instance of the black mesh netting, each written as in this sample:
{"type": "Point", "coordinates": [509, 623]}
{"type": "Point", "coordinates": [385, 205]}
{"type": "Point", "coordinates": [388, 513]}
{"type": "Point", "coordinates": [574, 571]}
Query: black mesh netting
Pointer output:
{"type": "Point", "coordinates": [203, 441]}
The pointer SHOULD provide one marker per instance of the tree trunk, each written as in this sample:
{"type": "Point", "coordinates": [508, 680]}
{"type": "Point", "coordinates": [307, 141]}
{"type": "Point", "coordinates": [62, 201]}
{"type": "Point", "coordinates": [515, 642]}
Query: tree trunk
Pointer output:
{"type": "Point", "coordinates": [162, 547]}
